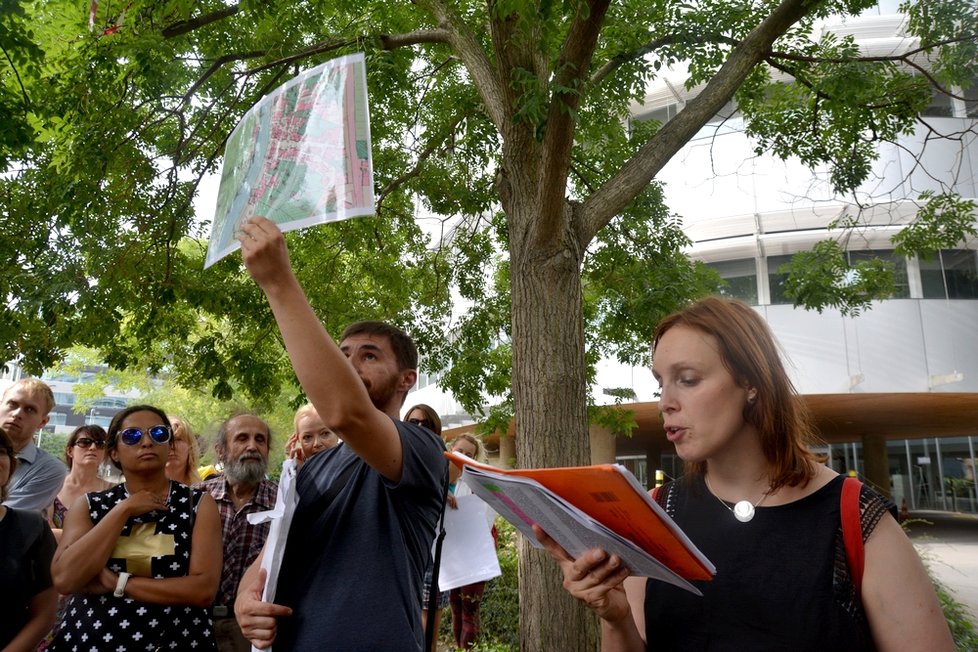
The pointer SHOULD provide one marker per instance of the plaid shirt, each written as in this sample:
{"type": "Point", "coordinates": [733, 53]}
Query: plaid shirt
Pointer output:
{"type": "Point", "coordinates": [242, 540]}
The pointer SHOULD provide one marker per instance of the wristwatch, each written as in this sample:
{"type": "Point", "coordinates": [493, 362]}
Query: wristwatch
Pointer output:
{"type": "Point", "coordinates": [120, 585]}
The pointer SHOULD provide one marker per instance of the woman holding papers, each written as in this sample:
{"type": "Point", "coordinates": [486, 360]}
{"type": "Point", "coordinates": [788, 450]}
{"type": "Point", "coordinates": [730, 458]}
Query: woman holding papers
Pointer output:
{"type": "Point", "coordinates": [466, 600]}
{"type": "Point", "coordinates": [758, 505]}
{"type": "Point", "coordinates": [142, 560]}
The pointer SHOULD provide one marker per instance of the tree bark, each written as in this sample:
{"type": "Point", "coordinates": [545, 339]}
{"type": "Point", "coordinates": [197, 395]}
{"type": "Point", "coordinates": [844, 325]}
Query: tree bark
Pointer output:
{"type": "Point", "coordinates": [549, 388]}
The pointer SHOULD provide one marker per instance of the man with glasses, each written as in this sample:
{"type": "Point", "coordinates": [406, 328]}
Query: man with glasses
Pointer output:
{"type": "Point", "coordinates": [360, 538]}
{"type": "Point", "coordinates": [24, 410]}
{"type": "Point", "coordinates": [242, 447]}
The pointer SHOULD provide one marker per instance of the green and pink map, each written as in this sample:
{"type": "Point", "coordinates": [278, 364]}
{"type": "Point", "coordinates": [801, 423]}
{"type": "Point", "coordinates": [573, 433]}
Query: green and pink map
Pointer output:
{"type": "Point", "coordinates": [300, 156]}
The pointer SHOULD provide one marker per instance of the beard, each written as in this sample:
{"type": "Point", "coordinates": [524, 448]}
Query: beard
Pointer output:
{"type": "Point", "coordinates": [248, 470]}
{"type": "Point", "coordinates": [381, 394]}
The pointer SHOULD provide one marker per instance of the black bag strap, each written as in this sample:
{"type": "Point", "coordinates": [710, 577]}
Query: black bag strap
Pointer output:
{"type": "Point", "coordinates": [432, 606]}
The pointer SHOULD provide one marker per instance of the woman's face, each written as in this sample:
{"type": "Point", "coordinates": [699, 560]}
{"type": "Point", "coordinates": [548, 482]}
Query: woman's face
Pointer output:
{"type": "Point", "coordinates": [176, 461]}
{"type": "Point", "coordinates": [418, 417]}
{"type": "Point", "coordinates": [465, 447]}
{"type": "Point", "coordinates": [702, 404]}
{"type": "Point", "coordinates": [146, 454]}
{"type": "Point", "coordinates": [314, 436]}
{"type": "Point", "coordinates": [85, 451]}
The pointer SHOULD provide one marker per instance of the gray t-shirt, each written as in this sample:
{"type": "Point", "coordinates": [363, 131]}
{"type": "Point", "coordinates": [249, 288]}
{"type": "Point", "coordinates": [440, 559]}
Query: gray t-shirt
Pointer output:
{"type": "Point", "coordinates": [352, 573]}
{"type": "Point", "coordinates": [36, 481]}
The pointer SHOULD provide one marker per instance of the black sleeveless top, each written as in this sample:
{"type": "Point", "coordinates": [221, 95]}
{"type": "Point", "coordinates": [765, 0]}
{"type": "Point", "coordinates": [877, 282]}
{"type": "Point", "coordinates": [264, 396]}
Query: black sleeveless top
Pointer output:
{"type": "Point", "coordinates": [782, 580]}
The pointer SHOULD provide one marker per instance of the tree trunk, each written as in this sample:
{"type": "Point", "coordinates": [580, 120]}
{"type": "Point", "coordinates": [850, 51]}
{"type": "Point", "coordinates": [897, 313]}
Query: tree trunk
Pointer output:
{"type": "Point", "coordinates": [551, 409]}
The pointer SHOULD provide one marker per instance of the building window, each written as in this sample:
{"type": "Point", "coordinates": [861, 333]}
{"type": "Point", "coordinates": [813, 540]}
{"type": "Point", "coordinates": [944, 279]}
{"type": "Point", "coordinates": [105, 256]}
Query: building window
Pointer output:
{"type": "Point", "coordinates": [778, 279]}
{"type": "Point", "coordinates": [57, 419]}
{"type": "Point", "coordinates": [950, 274]}
{"type": "Point", "coordinates": [740, 279]}
{"type": "Point", "coordinates": [899, 268]}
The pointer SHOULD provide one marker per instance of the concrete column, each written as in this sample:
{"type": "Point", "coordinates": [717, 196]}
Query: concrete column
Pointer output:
{"type": "Point", "coordinates": [602, 445]}
{"type": "Point", "coordinates": [876, 464]}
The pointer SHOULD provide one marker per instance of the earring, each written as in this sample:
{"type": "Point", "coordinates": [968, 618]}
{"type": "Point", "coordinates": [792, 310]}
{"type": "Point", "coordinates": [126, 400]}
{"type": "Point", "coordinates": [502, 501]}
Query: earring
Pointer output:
{"type": "Point", "coordinates": [751, 396]}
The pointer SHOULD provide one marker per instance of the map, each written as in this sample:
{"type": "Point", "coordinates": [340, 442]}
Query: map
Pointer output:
{"type": "Point", "coordinates": [300, 156]}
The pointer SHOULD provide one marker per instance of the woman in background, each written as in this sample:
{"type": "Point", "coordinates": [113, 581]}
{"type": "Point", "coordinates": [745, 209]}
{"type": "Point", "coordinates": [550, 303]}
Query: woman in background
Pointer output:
{"type": "Point", "coordinates": [27, 598]}
{"type": "Point", "coordinates": [181, 464]}
{"type": "Point", "coordinates": [142, 560]}
{"type": "Point", "coordinates": [466, 600]}
{"type": "Point", "coordinates": [309, 435]}
{"type": "Point", "coordinates": [84, 454]}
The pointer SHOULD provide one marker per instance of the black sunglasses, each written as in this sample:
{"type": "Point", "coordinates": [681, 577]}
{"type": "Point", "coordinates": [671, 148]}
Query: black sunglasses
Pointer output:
{"type": "Point", "coordinates": [159, 434]}
{"type": "Point", "coordinates": [85, 442]}
{"type": "Point", "coordinates": [422, 422]}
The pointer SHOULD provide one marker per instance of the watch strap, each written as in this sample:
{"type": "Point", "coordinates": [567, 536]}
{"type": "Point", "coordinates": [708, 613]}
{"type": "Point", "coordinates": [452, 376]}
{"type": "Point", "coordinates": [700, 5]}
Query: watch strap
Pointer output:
{"type": "Point", "coordinates": [120, 585]}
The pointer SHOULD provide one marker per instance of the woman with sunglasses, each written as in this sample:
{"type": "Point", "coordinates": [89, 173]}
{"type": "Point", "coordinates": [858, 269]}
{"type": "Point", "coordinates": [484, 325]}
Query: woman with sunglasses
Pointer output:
{"type": "Point", "coordinates": [84, 454]}
{"type": "Point", "coordinates": [142, 560]}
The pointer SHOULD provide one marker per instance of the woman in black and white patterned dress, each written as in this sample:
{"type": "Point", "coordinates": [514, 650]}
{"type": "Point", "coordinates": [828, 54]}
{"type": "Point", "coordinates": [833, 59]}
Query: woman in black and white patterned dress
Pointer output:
{"type": "Point", "coordinates": [142, 560]}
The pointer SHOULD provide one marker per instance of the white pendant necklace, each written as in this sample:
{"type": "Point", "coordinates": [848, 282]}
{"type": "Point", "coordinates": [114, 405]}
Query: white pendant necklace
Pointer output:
{"type": "Point", "coordinates": [743, 510]}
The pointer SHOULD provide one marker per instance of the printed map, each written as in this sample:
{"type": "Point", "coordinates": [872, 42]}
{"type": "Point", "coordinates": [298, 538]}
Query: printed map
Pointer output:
{"type": "Point", "coordinates": [301, 156]}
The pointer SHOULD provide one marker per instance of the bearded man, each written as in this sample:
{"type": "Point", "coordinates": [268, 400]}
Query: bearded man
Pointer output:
{"type": "Point", "coordinates": [242, 447]}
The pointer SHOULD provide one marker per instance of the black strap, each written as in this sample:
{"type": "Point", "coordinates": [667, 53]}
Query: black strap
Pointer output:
{"type": "Point", "coordinates": [432, 607]}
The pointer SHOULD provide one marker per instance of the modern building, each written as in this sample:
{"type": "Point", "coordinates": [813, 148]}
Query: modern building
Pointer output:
{"type": "Point", "coordinates": [895, 389]}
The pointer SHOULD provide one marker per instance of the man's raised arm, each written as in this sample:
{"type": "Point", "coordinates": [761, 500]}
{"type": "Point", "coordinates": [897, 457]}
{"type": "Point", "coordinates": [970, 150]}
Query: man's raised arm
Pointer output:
{"type": "Point", "coordinates": [328, 378]}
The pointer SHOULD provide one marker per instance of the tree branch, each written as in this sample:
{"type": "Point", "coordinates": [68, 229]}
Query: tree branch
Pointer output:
{"type": "Point", "coordinates": [186, 26]}
{"type": "Point", "coordinates": [27, 99]}
{"type": "Point", "coordinates": [565, 99]}
{"type": "Point", "coordinates": [423, 156]}
{"type": "Point", "coordinates": [216, 65]}
{"type": "Point", "coordinates": [638, 171]}
{"type": "Point", "coordinates": [387, 42]}
{"type": "Point", "coordinates": [468, 49]}
{"type": "Point", "coordinates": [621, 59]}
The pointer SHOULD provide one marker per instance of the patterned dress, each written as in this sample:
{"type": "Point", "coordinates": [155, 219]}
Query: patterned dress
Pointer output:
{"type": "Point", "coordinates": [155, 544]}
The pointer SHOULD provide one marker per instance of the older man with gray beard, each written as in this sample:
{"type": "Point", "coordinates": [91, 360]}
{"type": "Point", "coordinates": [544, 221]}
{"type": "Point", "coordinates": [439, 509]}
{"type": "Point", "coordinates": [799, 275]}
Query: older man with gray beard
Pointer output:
{"type": "Point", "coordinates": [242, 447]}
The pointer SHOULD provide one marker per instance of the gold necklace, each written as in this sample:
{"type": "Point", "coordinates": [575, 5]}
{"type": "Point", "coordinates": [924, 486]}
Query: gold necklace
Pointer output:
{"type": "Point", "coordinates": [743, 510]}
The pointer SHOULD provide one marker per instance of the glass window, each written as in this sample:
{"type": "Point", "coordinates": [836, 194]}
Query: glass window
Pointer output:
{"type": "Point", "coordinates": [740, 277]}
{"type": "Point", "coordinates": [64, 398]}
{"type": "Point", "coordinates": [777, 279]}
{"type": "Point", "coordinates": [971, 99]}
{"type": "Point", "coordinates": [57, 419]}
{"type": "Point", "coordinates": [899, 268]}
{"type": "Point", "coordinates": [951, 274]}
{"type": "Point", "coordinates": [939, 107]}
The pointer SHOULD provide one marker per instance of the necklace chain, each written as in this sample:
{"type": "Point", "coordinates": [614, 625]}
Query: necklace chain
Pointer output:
{"type": "Point", "coordinates": [743, 510]}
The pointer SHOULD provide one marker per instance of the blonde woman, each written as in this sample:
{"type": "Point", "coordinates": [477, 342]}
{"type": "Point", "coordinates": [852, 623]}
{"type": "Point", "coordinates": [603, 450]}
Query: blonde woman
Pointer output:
{"type": "Point", "coordinates": [184, 457]}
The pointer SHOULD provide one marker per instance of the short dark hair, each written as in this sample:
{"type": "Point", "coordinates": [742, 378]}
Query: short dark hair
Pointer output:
{"type": "Point", "coordinates": [405, 352]}
{"type": "Point", "coordinates": [92, 431]}
{"type": "Point", "coordinates": [7, 444]}
{"type": "Point", "coordinates": [221, 439]}
{"type": "Point", "coordinates": [116, 425]}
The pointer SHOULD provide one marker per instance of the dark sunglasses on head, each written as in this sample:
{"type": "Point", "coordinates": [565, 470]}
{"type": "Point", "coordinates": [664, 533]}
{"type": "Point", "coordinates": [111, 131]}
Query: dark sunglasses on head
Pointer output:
{"type": "Point", "coordinates": [85, 442]}
{"type": "Point", "coordinates": [422, 422]}
{"type": "Point", "coordinates": [159, 434]}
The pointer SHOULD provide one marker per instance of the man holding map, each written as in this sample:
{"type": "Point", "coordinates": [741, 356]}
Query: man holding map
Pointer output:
{"type": "Point", "coordinates": [361, 534]}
